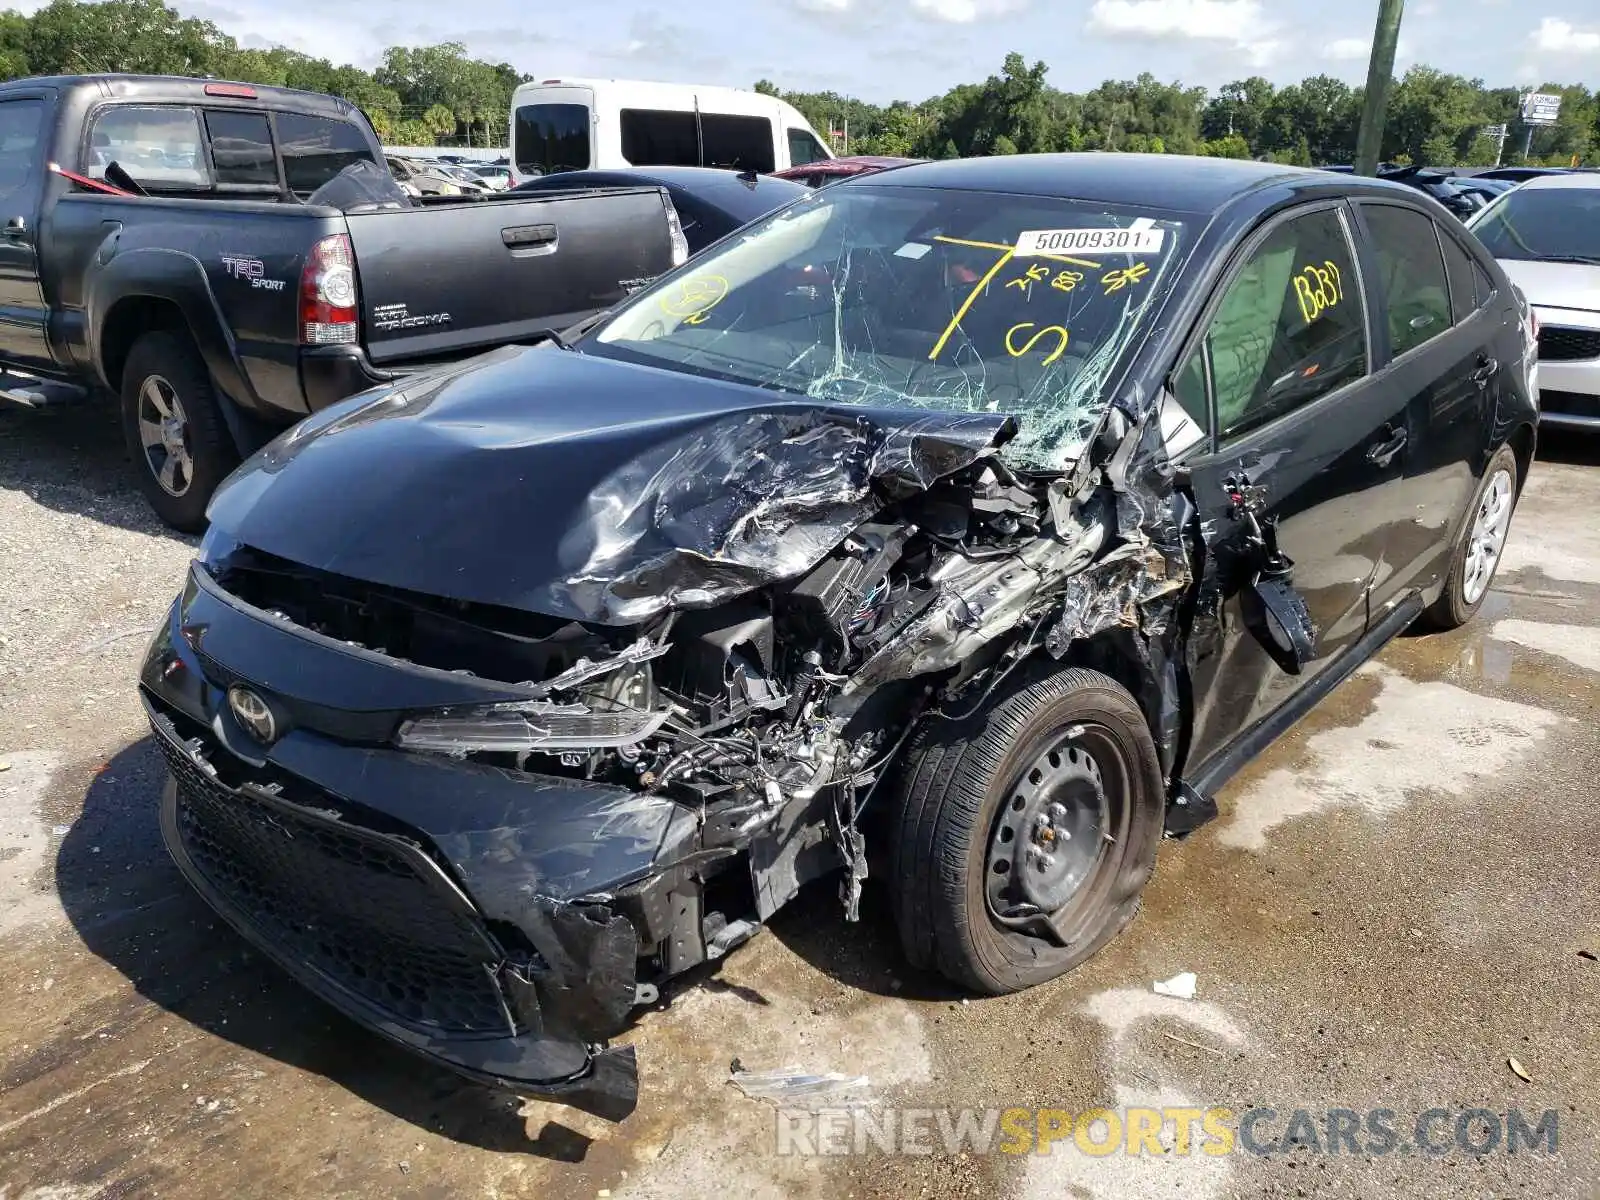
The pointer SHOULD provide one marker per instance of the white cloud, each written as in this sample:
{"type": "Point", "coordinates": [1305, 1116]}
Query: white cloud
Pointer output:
{"type": "Point", "coordinates": [1214, 20]}
{"type": "Point", "coordinates": [824, 6]}
{"type": "Point", "coordinates": [962, 12]}
{"type": "Point", "coordinates": [1355, 49]}
{"type": "Point", "coordinates": [1241, 24]}
{"type": "Point", "coordinates": [1556, 36]}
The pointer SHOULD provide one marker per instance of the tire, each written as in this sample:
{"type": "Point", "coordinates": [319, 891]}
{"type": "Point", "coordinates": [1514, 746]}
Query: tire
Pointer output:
{"type": "Point", "coordinates": [165, 369]}
{"type": "Point", "coordinates": [1465, 588]}
{"type": "Point", "coordinates": [947, 829]}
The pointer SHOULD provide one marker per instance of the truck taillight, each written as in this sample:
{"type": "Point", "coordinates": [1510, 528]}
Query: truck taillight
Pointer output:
{"type": "Point", "coordinates": [680, 244]}
{"type": "Point", "coordinates": [328, 304]}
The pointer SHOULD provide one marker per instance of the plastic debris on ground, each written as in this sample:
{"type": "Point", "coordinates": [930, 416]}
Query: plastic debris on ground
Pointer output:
{"type": "Point", "coordinates": [1180, 986]}
{"type": "Point", "coordinates": [791, 1085]}
{"type": "Point", "coordinates": [1519, 1070]}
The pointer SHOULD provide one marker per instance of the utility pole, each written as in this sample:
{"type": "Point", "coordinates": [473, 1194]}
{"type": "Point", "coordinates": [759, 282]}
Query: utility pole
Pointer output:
{"type": "Point", "coordinates": [1380, 75]}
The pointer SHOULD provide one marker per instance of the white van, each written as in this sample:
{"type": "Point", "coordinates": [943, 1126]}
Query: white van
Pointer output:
{"type": "Point", "coordinates": [601, 124]}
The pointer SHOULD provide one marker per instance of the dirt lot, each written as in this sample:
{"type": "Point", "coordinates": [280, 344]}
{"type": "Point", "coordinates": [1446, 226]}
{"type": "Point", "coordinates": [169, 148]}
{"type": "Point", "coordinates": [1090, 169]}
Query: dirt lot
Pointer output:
{"type": "Point", "coordinates": [1393, 904]}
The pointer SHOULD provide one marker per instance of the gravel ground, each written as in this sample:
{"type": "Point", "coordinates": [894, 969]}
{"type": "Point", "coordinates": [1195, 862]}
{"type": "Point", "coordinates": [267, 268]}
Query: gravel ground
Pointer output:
{"type": "Point", "coordinates": [1395, 903]}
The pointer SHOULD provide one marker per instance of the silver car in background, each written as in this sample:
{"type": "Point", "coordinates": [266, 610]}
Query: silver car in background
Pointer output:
{"type": "Point", "coordinates": [1546, 234]}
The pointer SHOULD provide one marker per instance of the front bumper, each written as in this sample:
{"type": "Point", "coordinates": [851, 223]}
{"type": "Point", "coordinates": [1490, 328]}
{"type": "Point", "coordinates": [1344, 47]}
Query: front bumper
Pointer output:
{"type": "Point", "coordinates": [1569, 388]}
{"type": "Point", "coordinates": [488, 920]}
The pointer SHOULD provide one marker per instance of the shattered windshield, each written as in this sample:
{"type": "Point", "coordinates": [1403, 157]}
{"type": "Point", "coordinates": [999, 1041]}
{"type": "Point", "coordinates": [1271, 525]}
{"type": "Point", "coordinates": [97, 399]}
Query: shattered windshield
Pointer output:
{"type": "Point", "coordinates": [896, 297]}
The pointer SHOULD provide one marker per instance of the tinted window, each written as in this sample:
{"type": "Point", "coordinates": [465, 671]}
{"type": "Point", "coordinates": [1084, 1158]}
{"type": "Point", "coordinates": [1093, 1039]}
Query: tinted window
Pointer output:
{"type": "Point", "coordinates": [1553, 222]}
{"type": "Point", "coordinates": [1483, 286]}
{"type": "Point", "coordinates": [241, 148]}
{"type": "Point", "coordinates": [159, 147]}
{"type": "Point", "coordinates": [552, 137]}
{"type": "Point", "coordinates": [742, 143]}
{"type": "Point", "coordinates": [803, 148]}
{"type": "Point", "coordinates": [1410, 274]}
{"type": "Point", "coordinates": [19, 146]}
{"type": "Point", "coordinates": [919, 298]}
{"type": "Point", "coordinates": [315, 149]}
{"type": "Point", "coordinates": [1458, 268]}
{"type": "Point", "coordinates": [651, 138]}
{"type": "Point", "coordinates": [1289, 328]}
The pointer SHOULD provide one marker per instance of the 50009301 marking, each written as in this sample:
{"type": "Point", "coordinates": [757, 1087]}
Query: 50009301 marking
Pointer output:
{"type": "Point", "coordinates": [1062, 241]}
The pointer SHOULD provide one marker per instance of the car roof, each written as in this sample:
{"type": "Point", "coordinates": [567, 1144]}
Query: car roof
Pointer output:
{"type": "Point", "coordinates": [187, 89]}
{"type": "Point", "coordinates": [1173, 181]}
{"type": "Point", "coordinates": [1576, 179]}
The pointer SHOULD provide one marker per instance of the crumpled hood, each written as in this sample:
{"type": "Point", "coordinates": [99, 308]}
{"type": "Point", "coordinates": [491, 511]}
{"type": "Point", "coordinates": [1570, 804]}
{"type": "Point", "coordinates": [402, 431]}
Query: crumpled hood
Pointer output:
{"type": "Point", "coordinates": [581, 487]}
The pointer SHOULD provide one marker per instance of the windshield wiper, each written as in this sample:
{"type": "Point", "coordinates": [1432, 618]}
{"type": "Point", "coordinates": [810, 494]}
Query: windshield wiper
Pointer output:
{"type": "Point", "coordinates": [1591, 260]}
{"type": "Point", "coordinates": [565, 337]}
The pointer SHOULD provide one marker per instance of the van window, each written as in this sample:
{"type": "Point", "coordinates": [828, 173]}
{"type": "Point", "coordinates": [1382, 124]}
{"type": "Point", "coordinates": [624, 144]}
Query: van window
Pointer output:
{"type": "Point", "coordinates": [315, 149]}
{"type": "Point", "coordinates": [803, 148]}
{"type": "Point", "coordinates": [742, 143]}
{"type": "Point", "coordinates": [657, 138]}
{"type": "Point", "coordinates": [653, 138]}
{"type": "Point", "coordinates": [158, 147]}
{"type": "Point", "coordinates": [241, 148]}
{"type": "Point", "coordinates": [552, 137]}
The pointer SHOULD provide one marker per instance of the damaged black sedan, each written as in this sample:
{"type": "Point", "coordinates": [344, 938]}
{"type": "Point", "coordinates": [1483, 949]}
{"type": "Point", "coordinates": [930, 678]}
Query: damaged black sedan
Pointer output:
{"type": "Point", "coordinates": [969, 526]}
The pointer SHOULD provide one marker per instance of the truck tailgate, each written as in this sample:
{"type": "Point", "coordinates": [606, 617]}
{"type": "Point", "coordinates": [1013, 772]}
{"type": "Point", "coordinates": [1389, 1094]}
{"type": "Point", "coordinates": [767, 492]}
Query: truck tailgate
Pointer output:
{"type": "Point", "coordinates": [453, 277]}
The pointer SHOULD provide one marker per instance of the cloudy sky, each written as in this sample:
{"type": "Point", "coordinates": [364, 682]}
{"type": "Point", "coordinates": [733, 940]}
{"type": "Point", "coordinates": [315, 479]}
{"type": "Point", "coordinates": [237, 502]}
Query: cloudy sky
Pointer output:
{"type": "Point", "coordinates": [911, 49]}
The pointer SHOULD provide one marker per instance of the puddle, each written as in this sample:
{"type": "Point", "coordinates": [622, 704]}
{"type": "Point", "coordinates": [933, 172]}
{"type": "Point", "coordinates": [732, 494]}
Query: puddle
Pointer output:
{"type": "Point", "coordinates": [1578, 644]}
{"type": "Point", "coordinates": [1417, 737]}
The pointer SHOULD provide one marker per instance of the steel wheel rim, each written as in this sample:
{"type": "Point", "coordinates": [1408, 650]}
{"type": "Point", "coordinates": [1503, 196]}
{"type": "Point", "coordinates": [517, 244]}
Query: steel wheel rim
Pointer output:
{"type": "Point", "coordinates": [164, 435]}
{"type": "Point", "coordinates": [1055, 819]}
{"type": "Point", "coordinates": [1487, 540]}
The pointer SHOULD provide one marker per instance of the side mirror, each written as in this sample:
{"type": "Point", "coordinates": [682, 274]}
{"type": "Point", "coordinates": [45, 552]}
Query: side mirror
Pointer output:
{"type": "Point", "coordinates": [1276, 616]}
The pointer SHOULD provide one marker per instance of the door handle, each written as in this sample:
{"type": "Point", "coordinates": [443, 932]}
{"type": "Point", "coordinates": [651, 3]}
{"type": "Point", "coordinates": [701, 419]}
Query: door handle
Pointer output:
{"type": "Point", "coordinates": [17, 227]}
{"type": "Point", "coordinates": [1486, 370]}
{"type": "Point", "coordinates": [1383, 453]}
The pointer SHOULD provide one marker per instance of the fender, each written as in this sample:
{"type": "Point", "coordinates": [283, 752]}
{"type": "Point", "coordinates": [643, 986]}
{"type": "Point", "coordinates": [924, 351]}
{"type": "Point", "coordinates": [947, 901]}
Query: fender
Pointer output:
{"type": "Point", "coordinates": [179, 278]}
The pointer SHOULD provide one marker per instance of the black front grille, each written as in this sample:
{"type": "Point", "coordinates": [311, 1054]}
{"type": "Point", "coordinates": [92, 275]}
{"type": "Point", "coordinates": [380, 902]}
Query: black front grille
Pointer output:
{"type": "Point", "coordinates": [1560, 344]}
{"type": "Point", "coordinates": [347, 902]}
{"type": "Point", "coordinates": [1569, 404]}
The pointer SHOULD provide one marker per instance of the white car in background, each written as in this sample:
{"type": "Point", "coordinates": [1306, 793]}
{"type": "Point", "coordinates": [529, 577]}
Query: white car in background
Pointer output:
{"type": "Point", "coordinates": [1546, 234]}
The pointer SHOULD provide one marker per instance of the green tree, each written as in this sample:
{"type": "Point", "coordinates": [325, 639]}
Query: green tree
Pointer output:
{"type": "Point", "coordinates": [138, 36]}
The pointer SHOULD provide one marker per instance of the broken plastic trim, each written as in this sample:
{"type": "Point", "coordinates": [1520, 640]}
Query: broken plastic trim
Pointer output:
{"type": "Point", "coordinates": [538, 725]}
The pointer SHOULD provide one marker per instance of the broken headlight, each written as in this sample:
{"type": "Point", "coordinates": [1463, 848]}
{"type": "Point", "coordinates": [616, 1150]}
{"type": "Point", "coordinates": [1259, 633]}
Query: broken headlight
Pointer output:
{"type": "Point", "coordinates": [528, 725]}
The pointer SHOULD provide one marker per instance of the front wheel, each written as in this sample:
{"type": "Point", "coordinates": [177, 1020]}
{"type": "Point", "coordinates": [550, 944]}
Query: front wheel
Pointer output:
{"type": "Point", "coordinates": [173, 426]}
{"type": "Point", "coordinates": [1025, 832]}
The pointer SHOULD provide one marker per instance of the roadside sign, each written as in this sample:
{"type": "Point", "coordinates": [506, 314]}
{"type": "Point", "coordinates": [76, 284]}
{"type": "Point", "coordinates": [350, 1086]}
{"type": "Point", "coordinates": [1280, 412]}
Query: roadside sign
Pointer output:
{"type": "Point", "coordinates": [1498, 132]}
{"type": "Point", "coordinates": [1540, 108]}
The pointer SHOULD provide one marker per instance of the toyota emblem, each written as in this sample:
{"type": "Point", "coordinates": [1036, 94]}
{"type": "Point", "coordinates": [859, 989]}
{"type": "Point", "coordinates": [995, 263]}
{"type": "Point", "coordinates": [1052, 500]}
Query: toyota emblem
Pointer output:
{"type": "Point", "coordinates": [253, 714]}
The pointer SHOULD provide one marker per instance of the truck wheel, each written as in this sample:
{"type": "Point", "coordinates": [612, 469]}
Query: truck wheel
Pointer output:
{"type": "Point", "coordinates": [180, 444]}
{"type": "Point", "coordinates": [1477, 552]}
{"type": "Point", "coordinates": [1025, 832]}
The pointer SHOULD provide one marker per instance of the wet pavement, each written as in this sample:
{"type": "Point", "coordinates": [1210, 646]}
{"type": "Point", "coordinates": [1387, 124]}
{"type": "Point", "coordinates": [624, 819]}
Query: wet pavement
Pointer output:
{"type": "Point", "coordinates": [1396, 901]}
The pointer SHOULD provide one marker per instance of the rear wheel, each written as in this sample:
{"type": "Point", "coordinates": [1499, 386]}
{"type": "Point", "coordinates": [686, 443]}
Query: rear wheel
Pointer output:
{"type": "Point", "coordinates": [1476, 556]}
{"type": "Point", "coordinates": [174, 429]}
{"type": "Point", "coordinates": [1025, 833]}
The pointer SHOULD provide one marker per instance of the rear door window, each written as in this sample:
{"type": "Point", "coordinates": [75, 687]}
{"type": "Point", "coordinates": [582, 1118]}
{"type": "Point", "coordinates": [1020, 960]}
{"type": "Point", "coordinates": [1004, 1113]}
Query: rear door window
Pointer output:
{"type": "Point", "coordinates": [657, 138]}
{"type": "Point", "coordinates": [1411, 274]}
{"type": "Point", "coordinates": [552, 137]}
{"type": "Point", "coordinates": [1458, 268]}
{"type": "Point", "coordinates": [19, 150]}
{"type": "Point", "coordinates": [1289, 328]}
{"type": "Point", "coordinates": [315, 149]}
{"type": "Point", "coordinates": [241, 148]}
{"type": "Point", "coordinates": [159, 147]}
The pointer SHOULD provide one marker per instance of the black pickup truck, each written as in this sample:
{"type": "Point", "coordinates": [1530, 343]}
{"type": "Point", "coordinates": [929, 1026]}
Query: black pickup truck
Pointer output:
{"type": "Point", "coordinates": [159, 240]}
